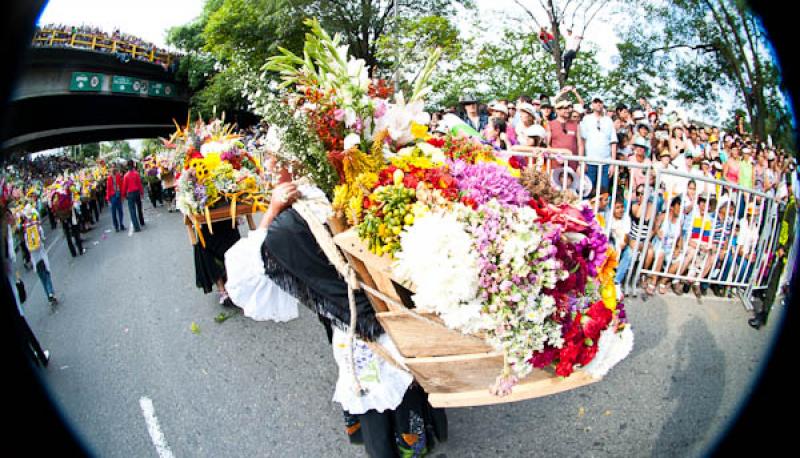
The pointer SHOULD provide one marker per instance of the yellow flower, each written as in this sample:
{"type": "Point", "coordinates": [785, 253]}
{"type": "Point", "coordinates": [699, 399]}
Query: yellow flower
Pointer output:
{"type": "Point", "coordinates": [609, 295]}
{"type": "Point", "coordinates": [212, 160]}
{"type": "Point", "coordinates": [419, 131]}
{"type": "Point", "coordinates": [514, 172]}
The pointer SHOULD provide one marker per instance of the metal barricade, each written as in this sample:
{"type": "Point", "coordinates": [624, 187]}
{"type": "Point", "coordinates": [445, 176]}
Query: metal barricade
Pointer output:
{"type": "Point", "coordinates": [730, 245]}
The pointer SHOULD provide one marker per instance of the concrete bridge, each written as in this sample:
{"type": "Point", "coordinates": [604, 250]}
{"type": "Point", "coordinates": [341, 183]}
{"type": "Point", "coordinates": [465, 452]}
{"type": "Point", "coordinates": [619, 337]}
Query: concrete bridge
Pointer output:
{"type": "Point", "coordinates": [67, 96]}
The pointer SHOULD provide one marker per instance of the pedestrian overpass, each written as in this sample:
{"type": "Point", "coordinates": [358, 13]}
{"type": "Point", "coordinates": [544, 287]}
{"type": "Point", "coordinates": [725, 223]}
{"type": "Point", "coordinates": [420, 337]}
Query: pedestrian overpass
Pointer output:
{"type": "Point", "coordinates": [66, 96]}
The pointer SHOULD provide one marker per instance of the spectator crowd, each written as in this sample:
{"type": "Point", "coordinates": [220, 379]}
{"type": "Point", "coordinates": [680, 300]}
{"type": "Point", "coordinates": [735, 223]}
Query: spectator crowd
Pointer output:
{"type": "Point", "coordinates": [702, 231]}
{"type": "Point", "coordinates": [60, 35]}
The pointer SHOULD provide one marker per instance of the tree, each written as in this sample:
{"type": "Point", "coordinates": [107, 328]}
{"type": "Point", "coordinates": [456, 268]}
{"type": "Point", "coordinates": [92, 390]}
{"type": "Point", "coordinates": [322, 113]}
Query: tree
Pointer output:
{"type": "Point", "coordinates": [707, 47]}
{"type": "Point", "coordinates": [576, 15]}
{"type": "Point", "coordinates": [515, 65]}
{"type": "Point", "coordinates": [233, 38]}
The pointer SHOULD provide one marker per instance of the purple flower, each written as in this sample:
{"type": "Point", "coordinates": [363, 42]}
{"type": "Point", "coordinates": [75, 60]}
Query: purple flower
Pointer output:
{"type": "Point", "coordinates": [485, 181]}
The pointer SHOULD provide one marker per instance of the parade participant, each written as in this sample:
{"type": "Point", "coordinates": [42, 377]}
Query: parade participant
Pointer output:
{"type": "Point", "coordinates": [392, 415]}
{"type": "Point", "coordinates": [114, 197]}
{"type": "Point", "coordinates": [70, 222]}
{"type": "Point", "coordinates": [168, 184]}
{"type": "Point", "coordinates": [34, 241]}
{"type": "Point", "coordinates": [132, 191]}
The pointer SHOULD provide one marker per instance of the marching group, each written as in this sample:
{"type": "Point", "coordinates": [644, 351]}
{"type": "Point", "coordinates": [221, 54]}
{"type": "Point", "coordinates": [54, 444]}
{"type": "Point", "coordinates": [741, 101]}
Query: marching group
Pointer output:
{"type": "Point", "coordinates": [73, 198]}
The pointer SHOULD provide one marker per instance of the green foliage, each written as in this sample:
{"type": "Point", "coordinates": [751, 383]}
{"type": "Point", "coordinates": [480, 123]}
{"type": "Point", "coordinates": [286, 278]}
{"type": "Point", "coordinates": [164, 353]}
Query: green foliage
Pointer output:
{"type": "Point", "coordinates": [705, 48]}
{"type": "Point", "coordinates": [516, 65]}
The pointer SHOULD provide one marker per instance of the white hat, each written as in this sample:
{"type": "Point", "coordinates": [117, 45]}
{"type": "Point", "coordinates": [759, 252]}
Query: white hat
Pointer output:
{"type": "Point", "coordinates": [527, 107]}
{"type": "Point", "coordinates": [638, 114]}
{"type": "Point", "coordinates": [498, 107]}
{"type": "Point", "coordinates": [535, 130]}
{"type": "Point", "coordinates": [559, 180]}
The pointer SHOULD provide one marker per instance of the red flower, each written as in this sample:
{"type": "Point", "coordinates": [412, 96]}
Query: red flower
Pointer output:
{"type": "Point", "coordinates": [410, 181]}
{"type": "Point", "coordinates": [564, 368]}
{"type": "Point", "coordinates": [588, 354]}
{"type": "Point", "coordinates": [544, 358]}
{"type": "Point", "coordinates": [437, 142]}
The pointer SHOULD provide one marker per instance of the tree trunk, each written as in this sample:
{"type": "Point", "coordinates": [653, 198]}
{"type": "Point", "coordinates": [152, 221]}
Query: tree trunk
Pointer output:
{"type": "Point", "coordinates": [557, 56]}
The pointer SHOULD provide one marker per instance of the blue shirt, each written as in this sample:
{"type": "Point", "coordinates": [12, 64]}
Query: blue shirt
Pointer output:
{"type": "Point", "coordinates": [598, 135]}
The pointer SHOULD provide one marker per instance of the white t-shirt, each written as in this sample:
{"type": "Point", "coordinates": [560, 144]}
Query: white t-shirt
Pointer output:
{"type": "Point", "coordinates": [599, 134]}
{"type": "Point", "coordinates": [573, 41]}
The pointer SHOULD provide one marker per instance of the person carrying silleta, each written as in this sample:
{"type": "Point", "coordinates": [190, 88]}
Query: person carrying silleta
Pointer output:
{"type": "Point", "coordinates": [132, 191]}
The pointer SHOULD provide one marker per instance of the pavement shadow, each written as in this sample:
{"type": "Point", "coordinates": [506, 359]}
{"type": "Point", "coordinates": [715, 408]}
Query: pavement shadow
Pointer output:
{"type": "Point", "coordinates": [697, 384]}
{"type": "Point", "coordinates": [653, 311]}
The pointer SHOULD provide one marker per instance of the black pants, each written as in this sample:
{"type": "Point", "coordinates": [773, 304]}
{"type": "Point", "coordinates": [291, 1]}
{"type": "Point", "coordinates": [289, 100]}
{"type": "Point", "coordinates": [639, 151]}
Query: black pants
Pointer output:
{"type": "Point", "coordinates": [154, 192]}
{"type": "Point", "coordinates": [94, 209]}
{"type": "Point", "coordinates": [52, 217]}
{"type": "Point", "coordinates": [72, 232]}
{"type": "Point", "coordinates": [569, 56]}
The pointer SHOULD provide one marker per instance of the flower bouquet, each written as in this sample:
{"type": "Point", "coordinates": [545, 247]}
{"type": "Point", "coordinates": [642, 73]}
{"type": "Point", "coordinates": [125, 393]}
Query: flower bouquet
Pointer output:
{"type": "Point", "coordinates": [217, 173]}
{"type": "Point", "coordinates": [473, 239]}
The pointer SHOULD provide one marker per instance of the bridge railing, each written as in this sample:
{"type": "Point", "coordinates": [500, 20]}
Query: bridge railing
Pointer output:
{"type": "Point", "coordinates": [102, 43]}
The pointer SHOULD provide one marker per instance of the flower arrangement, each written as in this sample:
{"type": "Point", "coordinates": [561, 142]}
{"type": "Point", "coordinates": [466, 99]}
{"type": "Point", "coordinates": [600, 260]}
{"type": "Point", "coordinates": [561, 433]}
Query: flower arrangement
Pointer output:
{"type": "Point", "coordinates": [483, 246]}
{"type": "Point", "coordinates": [215, 170]}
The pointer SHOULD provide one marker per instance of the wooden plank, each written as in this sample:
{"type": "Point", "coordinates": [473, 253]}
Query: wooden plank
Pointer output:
{"type": "Point", "coordinates": [222, 213]}
{"type": "Point", "coordinates": [415, 338]}
{"type": "Point", "coordinates": [379, 266]}
{"type": "Point", "coordinates": [250, 223]}
{"type": "Point", "coordinates": [337, 226]}
{"type": "Point", "coordinates": [462, 381]}
{"type": "Point", "coordinates": [535, 385]}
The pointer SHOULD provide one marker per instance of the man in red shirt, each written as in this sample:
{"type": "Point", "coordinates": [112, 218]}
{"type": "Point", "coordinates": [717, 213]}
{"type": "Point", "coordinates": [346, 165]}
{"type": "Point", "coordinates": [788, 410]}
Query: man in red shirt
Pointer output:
{"type": "Point", "coordinates": [132, 190]}
{"type": "Point", "coordinates": [114, 197]}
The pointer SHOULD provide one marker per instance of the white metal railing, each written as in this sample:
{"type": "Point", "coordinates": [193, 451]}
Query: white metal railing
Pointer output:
{"type": "Point", "coordinates": [730, 245]}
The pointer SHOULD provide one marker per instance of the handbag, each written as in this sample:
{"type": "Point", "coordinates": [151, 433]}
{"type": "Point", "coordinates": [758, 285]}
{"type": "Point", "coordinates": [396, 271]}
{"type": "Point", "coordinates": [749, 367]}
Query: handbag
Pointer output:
{"type": "Point", "coordinates": [21, 291]}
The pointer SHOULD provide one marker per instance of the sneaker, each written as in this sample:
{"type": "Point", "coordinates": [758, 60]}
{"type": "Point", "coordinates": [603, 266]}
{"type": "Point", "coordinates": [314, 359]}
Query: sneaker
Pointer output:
{"type": "Point", "coordinates": [46, 358]}
{"type": "Point", "coordinates": [83, 251]}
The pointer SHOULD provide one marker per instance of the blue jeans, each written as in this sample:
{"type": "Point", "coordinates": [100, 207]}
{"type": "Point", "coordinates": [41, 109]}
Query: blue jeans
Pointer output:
{"type": "Point", "coordinates": [116, 212]}
{"type": "Point", "coordinates": [625, 261]}
{"type": "Point", "coordinates": [44, 276]}
{"type": "Point", "coordinates": [591, 171]}
{"type": "Point", "coordinates": [135, 203]}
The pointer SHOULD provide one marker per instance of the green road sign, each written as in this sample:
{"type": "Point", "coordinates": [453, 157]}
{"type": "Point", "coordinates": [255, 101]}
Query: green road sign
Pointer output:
{"type": "Point", "coordinates": [86, 81]}
{"type": "Point", "coordinates": [158, 89]}
{"type": "Point", "coordinates": [129, 85]}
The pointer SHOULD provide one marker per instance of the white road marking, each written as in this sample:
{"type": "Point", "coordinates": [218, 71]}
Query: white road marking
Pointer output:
{"type": "Point", "coordinates": [154, 429]}
{"type": "Point", "coordinates": [47, 250]}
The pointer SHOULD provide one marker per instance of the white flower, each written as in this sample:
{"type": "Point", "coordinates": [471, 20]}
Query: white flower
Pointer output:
{"type": "Point", "coordinates": [437, 255]}
{"type": "Point", "coordinates": [357, 71]}
{"type": "Point", "coordinates": [351, 140]}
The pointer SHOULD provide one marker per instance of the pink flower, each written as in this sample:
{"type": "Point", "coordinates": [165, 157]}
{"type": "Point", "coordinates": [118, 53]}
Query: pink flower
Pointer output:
{"type": "Point", "coordinates": [380, 109]}
{"type": "Point", "coordinates": [338, 114]}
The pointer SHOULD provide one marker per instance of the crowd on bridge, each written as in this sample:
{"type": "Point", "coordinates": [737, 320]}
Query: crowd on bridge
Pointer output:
{"type": "Point", "coordinates": [61, 35]}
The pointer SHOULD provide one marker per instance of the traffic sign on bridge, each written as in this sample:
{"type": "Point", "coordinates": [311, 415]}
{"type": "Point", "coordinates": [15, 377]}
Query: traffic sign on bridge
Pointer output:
{"type": "Point", "coordinates": [129, 85]}
{"type": "Point", "coordinates": [86, 81]}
